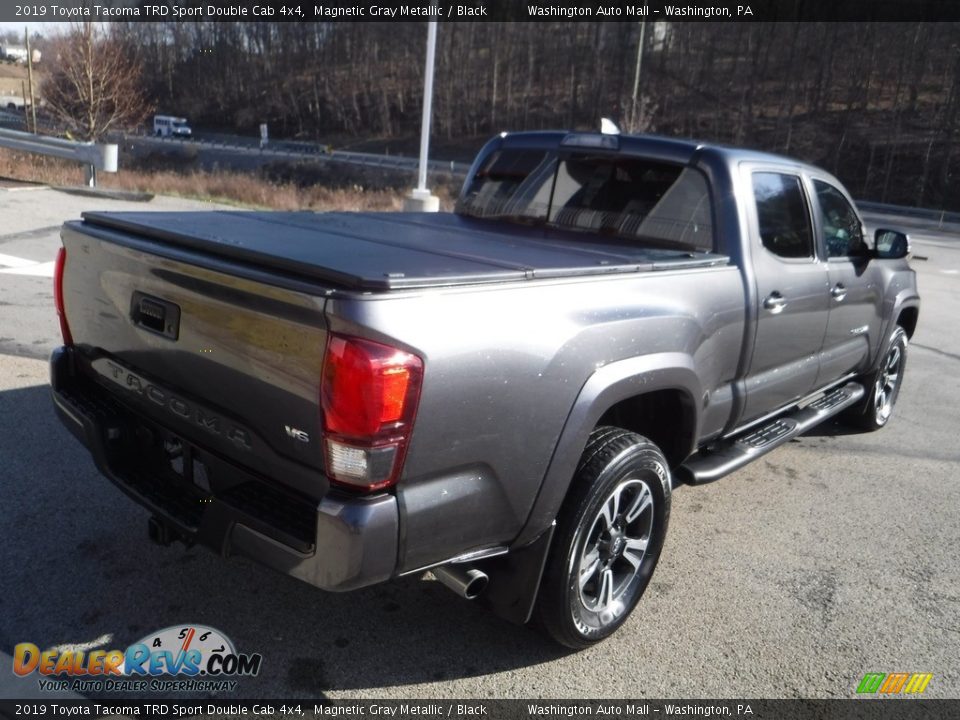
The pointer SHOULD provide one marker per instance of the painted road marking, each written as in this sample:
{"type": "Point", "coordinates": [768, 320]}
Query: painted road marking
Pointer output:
{"type": "Point", "coordinates": [34, 270]}
{"type": "Point", "coordinates": [13, 265]}
{"type": "Point", "coordinates": [14, 261]}
{"type": "Point", "coordinates": [84, 646]}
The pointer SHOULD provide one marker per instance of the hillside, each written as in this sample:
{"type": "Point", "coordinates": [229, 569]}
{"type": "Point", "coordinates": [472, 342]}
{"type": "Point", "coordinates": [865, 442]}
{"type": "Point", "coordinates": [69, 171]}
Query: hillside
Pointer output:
{"type": "Point", "coordinates": [876, 103]}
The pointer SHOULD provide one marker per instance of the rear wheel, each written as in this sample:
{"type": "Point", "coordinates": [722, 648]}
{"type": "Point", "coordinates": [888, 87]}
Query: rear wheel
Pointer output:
{"type": "Point", "coordinates": [610, 532]}
{"type": "Point", "coordinates": [882, 385]}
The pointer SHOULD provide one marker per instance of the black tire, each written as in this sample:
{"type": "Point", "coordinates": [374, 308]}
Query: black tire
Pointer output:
{"type": "Point", "coordinates": [620, 474]}
{"type": "Point", "coordinates": [882, 386]}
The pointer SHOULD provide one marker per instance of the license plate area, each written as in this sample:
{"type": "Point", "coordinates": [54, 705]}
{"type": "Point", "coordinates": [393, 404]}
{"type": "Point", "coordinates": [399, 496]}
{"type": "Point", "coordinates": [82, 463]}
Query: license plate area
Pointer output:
{"type": "Point", "coordinates": [182, 460]}
{"type": "Point", "coordinates": [198, 478]}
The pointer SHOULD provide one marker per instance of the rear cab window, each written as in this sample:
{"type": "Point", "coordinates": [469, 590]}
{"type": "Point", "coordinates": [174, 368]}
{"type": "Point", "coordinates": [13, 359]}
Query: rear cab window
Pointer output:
{"type": "Point", "coordinates": [652, 202]}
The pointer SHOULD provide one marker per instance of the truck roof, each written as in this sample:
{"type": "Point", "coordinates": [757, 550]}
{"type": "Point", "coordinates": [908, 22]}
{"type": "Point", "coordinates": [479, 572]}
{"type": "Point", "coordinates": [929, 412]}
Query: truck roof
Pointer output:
{"type": "Point", "coordinates": [669, 149]}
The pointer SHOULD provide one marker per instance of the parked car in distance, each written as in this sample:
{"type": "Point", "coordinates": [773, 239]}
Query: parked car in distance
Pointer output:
{"type": "Point", "coordinates": [170, 126]}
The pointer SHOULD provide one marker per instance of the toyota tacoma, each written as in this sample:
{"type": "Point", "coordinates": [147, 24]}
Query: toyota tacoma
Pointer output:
{"type": "Point", "coordinates": [506, 394]}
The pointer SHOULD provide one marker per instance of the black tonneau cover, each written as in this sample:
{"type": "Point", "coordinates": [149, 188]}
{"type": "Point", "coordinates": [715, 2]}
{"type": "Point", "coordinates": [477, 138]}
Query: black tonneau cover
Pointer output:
{"type": "Point", "coordinates": [384, 251]}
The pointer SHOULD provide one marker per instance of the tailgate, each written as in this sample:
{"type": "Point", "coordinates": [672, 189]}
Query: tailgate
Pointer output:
{"type": "Point", "coordinates": [226, 362]}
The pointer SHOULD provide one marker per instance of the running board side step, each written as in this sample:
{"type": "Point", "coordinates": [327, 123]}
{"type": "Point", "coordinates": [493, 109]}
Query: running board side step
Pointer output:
{"type": "Point", "coordinates": [733, 453]}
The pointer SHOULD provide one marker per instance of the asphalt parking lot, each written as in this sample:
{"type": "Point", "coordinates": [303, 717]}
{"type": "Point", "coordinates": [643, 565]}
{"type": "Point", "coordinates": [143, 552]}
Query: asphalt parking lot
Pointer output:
{"type": "Point", "coordinates": [832, 557]}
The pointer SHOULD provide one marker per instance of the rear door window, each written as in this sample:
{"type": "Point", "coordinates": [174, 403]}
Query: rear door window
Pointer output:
{"type": "Point", "coordinates": [783, 215]}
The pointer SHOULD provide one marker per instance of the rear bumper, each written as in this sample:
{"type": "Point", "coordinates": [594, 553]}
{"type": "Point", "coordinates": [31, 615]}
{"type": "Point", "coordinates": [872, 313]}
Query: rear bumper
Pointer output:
{"type": "Point", "coordinates": [338, 543]}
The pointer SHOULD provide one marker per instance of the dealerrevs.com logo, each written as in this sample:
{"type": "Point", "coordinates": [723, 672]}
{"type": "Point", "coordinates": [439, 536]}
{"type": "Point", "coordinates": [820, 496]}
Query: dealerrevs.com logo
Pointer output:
{"type": "Point", "coordinates": [178, 658]}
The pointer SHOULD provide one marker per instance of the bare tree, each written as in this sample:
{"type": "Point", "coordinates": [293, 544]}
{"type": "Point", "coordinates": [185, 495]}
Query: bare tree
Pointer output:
{"type": "Point", "coordinates": [94, 82]}
{"type": "Point", "coordinates": [878, 103]}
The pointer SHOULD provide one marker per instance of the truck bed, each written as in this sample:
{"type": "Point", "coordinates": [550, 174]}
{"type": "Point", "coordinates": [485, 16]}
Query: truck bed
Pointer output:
{"type": "Point", "coordinates": [388, 251]}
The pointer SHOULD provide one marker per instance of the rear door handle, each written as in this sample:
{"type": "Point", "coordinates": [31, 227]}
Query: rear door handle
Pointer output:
{"type": "Point", "coordinates": [775, 302]}
{"type": "Point", "coordinates": [839, 292]}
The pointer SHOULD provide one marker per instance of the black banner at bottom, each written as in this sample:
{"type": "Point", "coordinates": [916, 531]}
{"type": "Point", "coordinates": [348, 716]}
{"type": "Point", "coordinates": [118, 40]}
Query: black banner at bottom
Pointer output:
{"type": "Point", "coordinates": [851, 709]}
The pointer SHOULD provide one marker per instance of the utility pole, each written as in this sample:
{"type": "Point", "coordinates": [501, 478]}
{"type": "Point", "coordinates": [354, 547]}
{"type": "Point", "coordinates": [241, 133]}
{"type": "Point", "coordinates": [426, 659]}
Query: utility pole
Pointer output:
{"type": "Point", "coordinates": [33, 105]}
{"type": "Point", "coordinates": [421, 199]}
{"type": "Point", "coordinates": [636, 79]}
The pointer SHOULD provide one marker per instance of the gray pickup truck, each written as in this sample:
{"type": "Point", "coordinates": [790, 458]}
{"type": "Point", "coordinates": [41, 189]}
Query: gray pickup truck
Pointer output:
{"type": "Point", "coordinates": [506, 394]}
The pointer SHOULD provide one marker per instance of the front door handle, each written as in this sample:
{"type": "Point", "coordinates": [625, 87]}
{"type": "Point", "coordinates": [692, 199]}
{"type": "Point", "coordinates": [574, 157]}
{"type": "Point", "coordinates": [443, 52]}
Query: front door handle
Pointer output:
{"type": "Point", "coordinates": [775, 302]}
{"type": "Point", "coordinates": [839, 292]}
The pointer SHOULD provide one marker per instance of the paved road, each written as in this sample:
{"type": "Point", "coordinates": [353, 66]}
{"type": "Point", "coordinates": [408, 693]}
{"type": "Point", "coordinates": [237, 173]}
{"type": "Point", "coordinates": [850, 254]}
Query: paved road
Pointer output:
{"type": "Point", "coordinates": [834, 556]}
{"type": "Point", "coordinates": [240, 153]}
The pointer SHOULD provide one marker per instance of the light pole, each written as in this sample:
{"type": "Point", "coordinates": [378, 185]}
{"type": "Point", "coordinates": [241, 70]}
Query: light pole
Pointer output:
{"type": "Point", "coordinates": [421, 199]}
{"type": "Point", "coordinates": [636, 80]}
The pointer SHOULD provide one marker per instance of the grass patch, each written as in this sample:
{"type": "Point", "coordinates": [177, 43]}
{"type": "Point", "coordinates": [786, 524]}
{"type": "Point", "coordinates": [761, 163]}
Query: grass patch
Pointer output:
{"type": "Point", "coordinates": [276, 187]}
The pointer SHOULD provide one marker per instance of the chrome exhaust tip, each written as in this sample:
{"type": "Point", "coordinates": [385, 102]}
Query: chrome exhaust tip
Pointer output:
{"type": "Point", "coordinates": [467, 582]}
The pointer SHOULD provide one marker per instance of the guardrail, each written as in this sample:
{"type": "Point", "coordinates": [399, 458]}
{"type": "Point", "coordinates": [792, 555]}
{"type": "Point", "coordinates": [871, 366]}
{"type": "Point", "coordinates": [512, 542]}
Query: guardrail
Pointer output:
{"type": "Point", "coordinates": [316, 151]}
{"type": "Point", "coordinates": [94, 156]}
{"type": "Point", "coordinates": [398, 162]}
{"type": "Point", "coordinates": [940, 216]}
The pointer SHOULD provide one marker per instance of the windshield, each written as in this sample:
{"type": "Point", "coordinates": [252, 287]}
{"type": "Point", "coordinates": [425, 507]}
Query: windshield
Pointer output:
{"type": "Point", "coordinates": [661, 203]}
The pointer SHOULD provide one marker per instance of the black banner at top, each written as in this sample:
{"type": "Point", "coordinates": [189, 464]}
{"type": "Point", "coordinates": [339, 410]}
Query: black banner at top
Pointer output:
{"type": "Point", "coordinates": [64, 11]}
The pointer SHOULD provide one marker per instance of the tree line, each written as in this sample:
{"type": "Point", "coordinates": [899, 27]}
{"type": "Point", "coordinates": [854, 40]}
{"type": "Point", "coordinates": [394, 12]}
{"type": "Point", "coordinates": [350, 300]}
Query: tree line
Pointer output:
{"type": "Point", "coordinates": [876, 103]}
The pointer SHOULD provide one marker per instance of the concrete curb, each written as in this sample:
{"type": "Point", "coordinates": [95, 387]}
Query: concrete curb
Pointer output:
{"type": "Point", "coordinates": [129, 195]}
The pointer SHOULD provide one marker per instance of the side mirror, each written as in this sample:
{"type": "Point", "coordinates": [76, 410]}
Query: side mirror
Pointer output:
{"type": "Point", "coordinates": [891, 244]}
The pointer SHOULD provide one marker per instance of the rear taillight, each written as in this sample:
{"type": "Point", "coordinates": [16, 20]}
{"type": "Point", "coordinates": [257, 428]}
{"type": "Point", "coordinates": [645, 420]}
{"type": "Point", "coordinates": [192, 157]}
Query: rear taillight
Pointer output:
{"type": "Point", "coordinates": [368, 396]}
{"type": "Point", "coordinates": [58, 295]}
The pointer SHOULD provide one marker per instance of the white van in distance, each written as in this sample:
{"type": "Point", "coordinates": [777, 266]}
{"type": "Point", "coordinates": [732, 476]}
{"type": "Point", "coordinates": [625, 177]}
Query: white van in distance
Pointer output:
{"type": "Point", "coordinates": [167, 125]}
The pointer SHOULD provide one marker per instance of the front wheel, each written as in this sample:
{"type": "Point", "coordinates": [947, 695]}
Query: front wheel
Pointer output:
{"type": "Point", "coordinates": [610, 532]}
{"type": "Point", "coordinates": [882, 385]}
